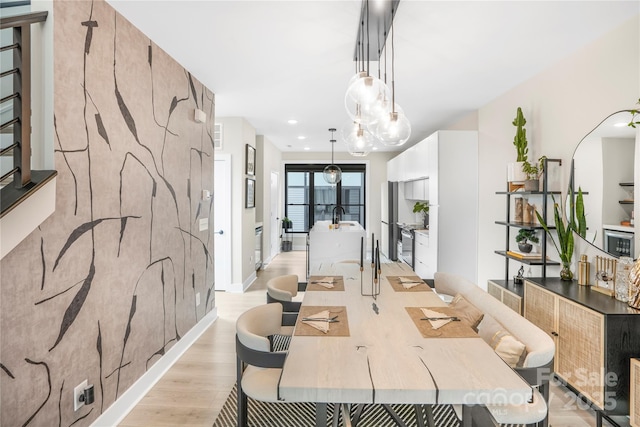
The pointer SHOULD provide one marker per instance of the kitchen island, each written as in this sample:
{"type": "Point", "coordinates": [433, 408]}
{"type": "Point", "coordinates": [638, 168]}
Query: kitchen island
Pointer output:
{"type": "Point", "coordinates": [329, 244]}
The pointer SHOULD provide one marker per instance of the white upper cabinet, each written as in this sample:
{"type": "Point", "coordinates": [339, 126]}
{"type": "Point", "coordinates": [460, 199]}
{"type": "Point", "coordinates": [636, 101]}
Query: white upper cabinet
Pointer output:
{"type": "Point", "coordinates": [409, 165]}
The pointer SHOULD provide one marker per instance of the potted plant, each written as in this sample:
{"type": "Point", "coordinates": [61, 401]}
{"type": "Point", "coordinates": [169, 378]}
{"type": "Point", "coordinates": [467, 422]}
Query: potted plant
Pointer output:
{"type": "Point", "coordinates": [514, 170]}
{"type": "Point", "coordinates": [524, 237]}
{"type": "Point", "coordinates": [564, 246]}
{"type": "Point", "coordinates": [286, 223]}
{"type": "Point", "coordinates": [422, 208]}
{"type": "Point", "coordinates": [533, 173]}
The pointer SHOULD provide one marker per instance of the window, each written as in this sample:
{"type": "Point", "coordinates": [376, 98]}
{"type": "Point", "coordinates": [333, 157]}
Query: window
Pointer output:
{"type": "Point", "coordinates": [309, 198]}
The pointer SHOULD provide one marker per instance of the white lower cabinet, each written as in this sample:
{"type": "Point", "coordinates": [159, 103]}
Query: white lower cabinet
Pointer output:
{"type": "Point", "coordinates": [423, 262]}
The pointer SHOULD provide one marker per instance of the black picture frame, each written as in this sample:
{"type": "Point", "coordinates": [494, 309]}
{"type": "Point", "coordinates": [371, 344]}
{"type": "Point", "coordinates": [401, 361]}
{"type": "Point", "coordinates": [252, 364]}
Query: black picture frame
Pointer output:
{"type": "Point", "coordinates": [250, 193]}
{"type": "Point", "coordinates": [250, 168]}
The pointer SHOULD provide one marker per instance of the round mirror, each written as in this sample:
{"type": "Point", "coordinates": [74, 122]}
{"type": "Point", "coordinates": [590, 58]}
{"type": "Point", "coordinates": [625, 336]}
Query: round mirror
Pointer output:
{"type": "Point", "coordinates": [604, 168]}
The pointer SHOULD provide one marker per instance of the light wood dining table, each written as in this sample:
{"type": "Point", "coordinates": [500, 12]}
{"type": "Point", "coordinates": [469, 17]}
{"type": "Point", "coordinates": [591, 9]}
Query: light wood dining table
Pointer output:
{"type": "Point", "coordinates": [384, 358]}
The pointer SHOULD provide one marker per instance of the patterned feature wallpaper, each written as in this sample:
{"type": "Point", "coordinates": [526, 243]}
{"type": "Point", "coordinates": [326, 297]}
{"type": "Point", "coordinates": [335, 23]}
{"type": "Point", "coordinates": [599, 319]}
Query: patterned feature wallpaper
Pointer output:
{"type": "Point", "coordinates": [107, 284]}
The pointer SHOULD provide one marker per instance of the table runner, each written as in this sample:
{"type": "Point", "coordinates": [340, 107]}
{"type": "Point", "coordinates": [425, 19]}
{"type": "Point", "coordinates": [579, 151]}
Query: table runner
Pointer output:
{"type": "Point", "coordinates": [394, 281]}
{"type": "Point", "coordinates": [337, 286]}
{"type": "Point", "coordinates": [458, 329]}
{"type": "Point", "coordinates": [338, 329]}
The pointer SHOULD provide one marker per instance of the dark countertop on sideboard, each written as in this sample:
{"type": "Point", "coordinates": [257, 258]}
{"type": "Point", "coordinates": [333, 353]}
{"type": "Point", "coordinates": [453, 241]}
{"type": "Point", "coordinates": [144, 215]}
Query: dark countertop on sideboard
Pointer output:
{"type": "Point", "coordinates": [583, 295]}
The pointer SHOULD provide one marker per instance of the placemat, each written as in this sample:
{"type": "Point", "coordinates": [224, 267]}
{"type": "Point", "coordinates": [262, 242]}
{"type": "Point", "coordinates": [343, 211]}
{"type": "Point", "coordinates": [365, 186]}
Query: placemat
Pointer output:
{"type": "Point", "coordinates": [459, 329]}
{"type": "Point", "coordinates": [337, 286]}
{"type": "Point", "coordinates": [338, 329]}
{"type": "Point", "coordinates": [394, 281]}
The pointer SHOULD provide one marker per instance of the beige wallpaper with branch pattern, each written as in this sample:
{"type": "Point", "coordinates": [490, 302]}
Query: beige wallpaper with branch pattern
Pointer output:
{"type": "Point", "coordinates": [107, 284]}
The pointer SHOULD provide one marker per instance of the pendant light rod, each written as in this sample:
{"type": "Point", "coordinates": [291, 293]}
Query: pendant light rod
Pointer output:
{"type": "Point", "coordinates": [377, 30]}
{"type": "Point", "coordinates": [333, 142]}
{"type": "Point", "coordinates": [393, 69]}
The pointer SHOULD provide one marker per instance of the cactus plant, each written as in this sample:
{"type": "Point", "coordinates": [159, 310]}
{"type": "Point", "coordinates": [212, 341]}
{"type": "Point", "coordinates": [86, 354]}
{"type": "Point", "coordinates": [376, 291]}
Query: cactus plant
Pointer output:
{"type": "Point", "coordinates": [520, 140]}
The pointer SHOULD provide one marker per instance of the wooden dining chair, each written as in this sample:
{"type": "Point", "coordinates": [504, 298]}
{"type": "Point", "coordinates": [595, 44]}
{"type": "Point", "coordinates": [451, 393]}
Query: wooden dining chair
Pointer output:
{"type": "Point", "coordinates": [283, 289]}
{"type": "Point", "coordinates": [258, 366]}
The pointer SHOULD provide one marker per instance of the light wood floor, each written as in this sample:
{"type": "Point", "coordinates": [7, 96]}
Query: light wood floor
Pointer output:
{"type": "Point", "coordinates": [193, 391]}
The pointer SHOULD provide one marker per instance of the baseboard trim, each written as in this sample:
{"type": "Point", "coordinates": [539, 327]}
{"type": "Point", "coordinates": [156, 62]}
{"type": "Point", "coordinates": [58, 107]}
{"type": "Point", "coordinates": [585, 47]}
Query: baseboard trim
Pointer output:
{"type": "Point", "coordinates": [130, 398]}
{"type": "Point", "coordinates": [240, 288]}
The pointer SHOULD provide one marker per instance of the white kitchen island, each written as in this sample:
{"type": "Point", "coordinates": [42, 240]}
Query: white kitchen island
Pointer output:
{"type": "Point", "coordinates": [328, 244]}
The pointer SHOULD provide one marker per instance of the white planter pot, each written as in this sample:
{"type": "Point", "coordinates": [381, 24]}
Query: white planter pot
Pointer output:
{"type": "Point", "coordinates": [515, 173]}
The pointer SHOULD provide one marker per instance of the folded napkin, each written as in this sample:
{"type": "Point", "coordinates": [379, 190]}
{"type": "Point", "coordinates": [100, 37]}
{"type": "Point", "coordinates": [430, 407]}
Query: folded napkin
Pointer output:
{"type": "Point", "coordinates": [409, 283]}
{"type": "Point", "coordinates": [327, 282]}
{"type": "Point", "coordinates": [435, 324]}
{"type": "Point", "coordinates": [320, 325]}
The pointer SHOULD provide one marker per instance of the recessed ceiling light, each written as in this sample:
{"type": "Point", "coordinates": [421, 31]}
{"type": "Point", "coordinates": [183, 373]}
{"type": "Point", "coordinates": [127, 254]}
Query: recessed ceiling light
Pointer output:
{"type": "Point", "coordinates": [301, 137]}
{"type": "Point", "coordinates": [307, 148]}
{"type": "Point", "coordinates": [292, 121]}
{"type": "Point", "coordinates": [375, 148]}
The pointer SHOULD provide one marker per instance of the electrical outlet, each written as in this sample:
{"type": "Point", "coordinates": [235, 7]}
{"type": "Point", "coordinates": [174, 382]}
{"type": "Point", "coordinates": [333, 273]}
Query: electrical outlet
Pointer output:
{"type": "Point", "coordinates": [77, 392]}
{"type": "Point", "coordinates": [197, 299]}
{"type": "Point", "coordinates": [204, 224]}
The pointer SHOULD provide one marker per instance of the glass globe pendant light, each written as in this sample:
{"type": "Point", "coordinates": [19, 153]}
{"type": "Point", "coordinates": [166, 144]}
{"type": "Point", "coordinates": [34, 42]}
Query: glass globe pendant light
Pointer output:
{"type": "Point", "coordinates": [393, 128]}
{"type": "Point", "coordinates": [359, 142]}
{"type": "Point", "coordinates": [365, 93]}
{"type": "Point", "coordinates": [332, 173]}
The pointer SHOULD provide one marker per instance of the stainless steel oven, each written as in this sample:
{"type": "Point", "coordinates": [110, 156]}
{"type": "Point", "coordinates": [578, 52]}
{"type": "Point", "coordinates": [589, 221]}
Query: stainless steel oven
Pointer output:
{"type": "Point", "coordinates": [405, 246]}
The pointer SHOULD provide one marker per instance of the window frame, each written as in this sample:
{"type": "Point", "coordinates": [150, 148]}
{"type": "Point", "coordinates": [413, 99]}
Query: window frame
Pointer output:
{"type": "Point", "coordinates": [314, 168]}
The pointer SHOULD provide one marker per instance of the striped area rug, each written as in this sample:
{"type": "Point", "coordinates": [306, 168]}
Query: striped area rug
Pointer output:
{"type": "Point", "coordinates": [263, 414]}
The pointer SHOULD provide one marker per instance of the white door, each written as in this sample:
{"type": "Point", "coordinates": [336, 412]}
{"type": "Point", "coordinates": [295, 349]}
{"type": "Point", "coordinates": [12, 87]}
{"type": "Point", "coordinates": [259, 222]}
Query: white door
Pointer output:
{"type": "Point", "coordinates": [222, 221]}
{"type": "Point", "coordinates": [274, 218]}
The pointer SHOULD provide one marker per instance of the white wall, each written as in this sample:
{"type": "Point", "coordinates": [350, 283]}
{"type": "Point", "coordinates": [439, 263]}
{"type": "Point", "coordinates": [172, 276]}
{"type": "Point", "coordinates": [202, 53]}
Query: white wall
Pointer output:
{"type": "Point", "coordinates": [269, 160]}
{"type": "Point", "coordinates": [561, 105]}
{"type": "Point", "coordinates": [237, 133]}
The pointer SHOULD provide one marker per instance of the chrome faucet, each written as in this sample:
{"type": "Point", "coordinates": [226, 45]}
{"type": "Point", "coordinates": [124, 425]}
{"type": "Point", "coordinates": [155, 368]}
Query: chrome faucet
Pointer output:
{"type": "Point", "coordinates": [337, 218]}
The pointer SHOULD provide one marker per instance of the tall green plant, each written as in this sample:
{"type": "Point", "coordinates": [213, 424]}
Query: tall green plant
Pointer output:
{"type": "Point", "coordinates": [564, 231]}
{"type": "Point", "coordinates": [520, 140]}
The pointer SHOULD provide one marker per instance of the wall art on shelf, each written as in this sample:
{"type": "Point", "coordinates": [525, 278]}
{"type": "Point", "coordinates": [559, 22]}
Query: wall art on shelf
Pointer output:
{"type": "Point", "coordinates": [251, 160]}
{"type": "Point", "coordinates": [250, 193]}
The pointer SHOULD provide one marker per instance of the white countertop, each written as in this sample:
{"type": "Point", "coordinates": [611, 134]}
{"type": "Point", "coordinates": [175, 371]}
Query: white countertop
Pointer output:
{"type": "Point", "coordinates": [623, 228]}
{"type": "Point", "coordinates": [344, 226]}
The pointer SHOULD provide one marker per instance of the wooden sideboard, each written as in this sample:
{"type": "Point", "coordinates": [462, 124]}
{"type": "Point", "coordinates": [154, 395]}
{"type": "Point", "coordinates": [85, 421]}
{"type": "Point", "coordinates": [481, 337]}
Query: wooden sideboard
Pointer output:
{"type": "Point", "coordinates": [634, 412]}
{"type": "Point", "coordinates": [507, 293]}
{"type": "Point", "coordinates": [596, 337]}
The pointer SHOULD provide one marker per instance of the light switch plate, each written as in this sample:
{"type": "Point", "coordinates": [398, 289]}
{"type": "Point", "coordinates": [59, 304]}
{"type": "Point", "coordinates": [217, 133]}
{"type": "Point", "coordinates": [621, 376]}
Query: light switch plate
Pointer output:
{"type": "Point", "coordinates": [204, 224]}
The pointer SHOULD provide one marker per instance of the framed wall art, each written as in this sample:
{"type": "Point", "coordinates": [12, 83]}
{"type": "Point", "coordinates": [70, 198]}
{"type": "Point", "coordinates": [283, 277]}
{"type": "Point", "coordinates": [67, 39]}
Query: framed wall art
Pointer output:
{"type": "Point", "coordinates": [251, 160]}
{"type": "Point", "coordinates": [250, 193]}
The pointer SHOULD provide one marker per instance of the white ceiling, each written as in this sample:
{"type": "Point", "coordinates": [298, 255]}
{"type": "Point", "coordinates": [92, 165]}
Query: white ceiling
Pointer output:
{"type": "Point", "coordinates": [270, 61]}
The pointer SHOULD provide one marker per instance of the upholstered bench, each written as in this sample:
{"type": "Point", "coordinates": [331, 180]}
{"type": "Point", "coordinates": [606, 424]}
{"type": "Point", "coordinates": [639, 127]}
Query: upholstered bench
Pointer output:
{"type": "Point", "coordinates": [523, 345]}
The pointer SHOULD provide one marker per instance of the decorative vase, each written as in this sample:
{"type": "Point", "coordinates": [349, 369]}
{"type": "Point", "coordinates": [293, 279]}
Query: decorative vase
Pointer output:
{"type": "Point", "coordinates": [525, 247]}
{"type": "Point", "coordinates": [532, 185]}
{"type": "Point", "coordinates": [515, 173]}
{"type": "Point", "coordinates": [425, 220]}
{"type": "Point", "coordinates": [566, 273]}
{"type": "Point", "coordinates": [622, 278]}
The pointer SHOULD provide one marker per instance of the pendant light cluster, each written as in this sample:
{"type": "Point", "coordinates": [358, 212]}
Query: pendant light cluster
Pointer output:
{"type": "Point", "coordinates": [374, 115]}
{"type": "Point", "coordinates": [332, 173]}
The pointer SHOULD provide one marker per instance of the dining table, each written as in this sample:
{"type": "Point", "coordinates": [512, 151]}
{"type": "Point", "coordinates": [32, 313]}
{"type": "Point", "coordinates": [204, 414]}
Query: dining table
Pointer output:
{"type": "Point", "coordinates": [378, 350]}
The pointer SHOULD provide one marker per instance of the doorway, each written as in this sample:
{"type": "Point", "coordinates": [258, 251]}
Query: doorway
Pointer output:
{"type": "Point", "coordinates": [274, 218]}
{"type": "Point", "coordinates": [222, 221]}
